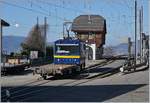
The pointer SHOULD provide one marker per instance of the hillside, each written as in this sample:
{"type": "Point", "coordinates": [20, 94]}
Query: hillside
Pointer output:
{"type": "Point", "coordinates": [12, 43]}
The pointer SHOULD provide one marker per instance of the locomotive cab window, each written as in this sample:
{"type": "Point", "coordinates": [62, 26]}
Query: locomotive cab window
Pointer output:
{"type": "Point", "coordinates": [67, 49]}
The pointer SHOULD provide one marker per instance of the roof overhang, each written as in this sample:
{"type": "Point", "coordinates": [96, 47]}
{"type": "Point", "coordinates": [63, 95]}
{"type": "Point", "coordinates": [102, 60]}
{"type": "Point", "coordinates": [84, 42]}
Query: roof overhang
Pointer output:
{"type": "Point", "coordinates": [4, 23]}
{"type": "Point", "coordinates": [89, 23]}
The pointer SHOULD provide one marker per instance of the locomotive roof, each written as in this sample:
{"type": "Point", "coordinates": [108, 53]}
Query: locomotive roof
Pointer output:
{"type": "Point", "coordinates": [67, 41]}
{"type": "Point", "coordinates": [89, 23]}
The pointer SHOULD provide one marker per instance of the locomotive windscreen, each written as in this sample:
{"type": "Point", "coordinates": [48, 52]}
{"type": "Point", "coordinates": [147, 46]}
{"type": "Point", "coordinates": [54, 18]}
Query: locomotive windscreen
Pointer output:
{"type": "Point", "coordinates": [67, 49]}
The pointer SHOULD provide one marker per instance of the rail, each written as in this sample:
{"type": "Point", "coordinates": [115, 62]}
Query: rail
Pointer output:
{"type": "Point", "coordinates": [24, 90]}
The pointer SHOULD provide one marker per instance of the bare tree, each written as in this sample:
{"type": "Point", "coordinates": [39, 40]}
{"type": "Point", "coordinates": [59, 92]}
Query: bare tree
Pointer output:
{"type": "Point", "coordinates": [35, 39]}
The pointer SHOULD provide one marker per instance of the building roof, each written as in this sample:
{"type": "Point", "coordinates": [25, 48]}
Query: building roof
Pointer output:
{"type": "Point", "coordinates": [89, 23]}
{"type": "Point", "coordinates": [4, 23]}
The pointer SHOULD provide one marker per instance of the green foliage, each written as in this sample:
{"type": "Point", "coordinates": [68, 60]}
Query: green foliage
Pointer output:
{"type": "Point", "coordinates": [11, 54]}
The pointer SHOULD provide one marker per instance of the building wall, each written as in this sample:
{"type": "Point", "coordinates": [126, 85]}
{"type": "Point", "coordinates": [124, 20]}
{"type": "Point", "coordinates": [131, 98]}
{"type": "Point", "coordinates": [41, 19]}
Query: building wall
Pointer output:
{"type": "Point", "coordinates": [99, 39]}
{"type": "Point", "coordinates": [14, 61]}
{"type": "Point", "coordinates": [99, 52]}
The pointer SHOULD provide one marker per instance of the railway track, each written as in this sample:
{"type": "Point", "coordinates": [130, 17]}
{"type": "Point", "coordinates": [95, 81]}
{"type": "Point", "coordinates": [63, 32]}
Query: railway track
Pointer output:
{"type": "Point", "coordinates": [24, 88]}
{"type": "Point", "coordinates": [70, 84]}
{"type": "Point", "coordinates": [25, 84]}
{"type": "Point", "coordinates": [22, 92]}
{"type": "Point", "coordinates": [34, 81]}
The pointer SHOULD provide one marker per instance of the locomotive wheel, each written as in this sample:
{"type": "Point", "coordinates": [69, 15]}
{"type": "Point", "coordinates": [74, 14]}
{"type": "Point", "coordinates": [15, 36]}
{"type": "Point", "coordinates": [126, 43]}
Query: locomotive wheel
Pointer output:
{"type": "Point", "coordinates": [70, 71]}
{"type": "Point", "coordinates": [44, 77]}
{"type": "Point", "coordinates": [83, 65]}
{"type": "Point", "coordinates": [80, 67]}
{"type": "Point", "coordinates": [77, 70]}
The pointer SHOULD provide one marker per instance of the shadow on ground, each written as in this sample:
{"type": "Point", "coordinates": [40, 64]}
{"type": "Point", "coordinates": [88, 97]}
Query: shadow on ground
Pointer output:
{"type": "Point", "coordinates": [99, 69]}
{"type": "Point", "coordinates": [17, 73]}
{"type": "Point", "coordinates": [96, 93]}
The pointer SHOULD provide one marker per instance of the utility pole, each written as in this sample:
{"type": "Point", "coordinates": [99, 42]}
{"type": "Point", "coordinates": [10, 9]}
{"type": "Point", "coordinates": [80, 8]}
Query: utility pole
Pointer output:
{"type": "Point", "coordinates": [147, 50]}
{"type": "Point", "coordinates": [45, 24]}
{"type": "Point", "coordinates": [129, 47]}
{"type": "Point", "coordinates": [2, 24]}
{"type": "Point", "coordinates": [142, 55]}
{"type": "Point", "coordinates": [140, 46]}
{"type": "Point", "coordinates": [1, 39]}
{"type": "Point", "coordinates": [63, 31]}
{"type": "Point", "coordinates": [129, 52]}
{"type": "Point", "coordinates": [37, 21]}
{"type": "Point", "coordinates": [135, 34]}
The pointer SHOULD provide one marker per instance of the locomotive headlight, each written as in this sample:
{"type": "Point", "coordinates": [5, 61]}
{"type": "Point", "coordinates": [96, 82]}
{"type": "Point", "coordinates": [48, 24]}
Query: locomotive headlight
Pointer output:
{"type": "Point", "coordinates": [58, 60]}
{"type": "Point", "coordinates": [122, 69]}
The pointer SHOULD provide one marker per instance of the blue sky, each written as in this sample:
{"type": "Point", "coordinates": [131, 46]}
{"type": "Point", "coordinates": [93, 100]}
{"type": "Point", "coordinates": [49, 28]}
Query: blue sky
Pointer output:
{"type": "Point", "coordinates": [119, 15]}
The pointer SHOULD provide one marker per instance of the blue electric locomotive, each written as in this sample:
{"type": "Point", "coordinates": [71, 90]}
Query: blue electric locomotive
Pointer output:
{"type": "Point", "coordinates": [69, 57]}
{"type": "Point", "coordinates": [70, 52]}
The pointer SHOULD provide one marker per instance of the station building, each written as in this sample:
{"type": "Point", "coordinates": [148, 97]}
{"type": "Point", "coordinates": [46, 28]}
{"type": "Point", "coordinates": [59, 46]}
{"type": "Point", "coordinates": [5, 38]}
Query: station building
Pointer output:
{"type": "Point", "coordinates": [92, 30]}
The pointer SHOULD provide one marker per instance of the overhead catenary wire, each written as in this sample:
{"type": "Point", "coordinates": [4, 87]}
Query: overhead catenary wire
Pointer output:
{"type": "Point", "coordinates": [37, 5]}
{"type": "Point", "coordinates": [41, 8]}
{"type": "Point", "coordinates": [32, 10]}
{"type": "Point", "coordinates": [127, 17]}
{"type": "Point", "coordinates": [44, 10]}
{"type": "Point", "coordinates": [61, 6]}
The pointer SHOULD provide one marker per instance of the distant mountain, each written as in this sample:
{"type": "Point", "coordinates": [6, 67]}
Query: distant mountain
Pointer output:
{"type": "Point", "coordinates": [50, 43]}
{"type": "Point", "coordinates": [13, 43]}
{"type": "Point", "coordinates": [122, 48]}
